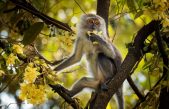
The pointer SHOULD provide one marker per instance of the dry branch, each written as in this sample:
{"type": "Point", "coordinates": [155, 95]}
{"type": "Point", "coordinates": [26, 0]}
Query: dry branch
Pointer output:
{"type": "Point", "coordinates": [23, 4]}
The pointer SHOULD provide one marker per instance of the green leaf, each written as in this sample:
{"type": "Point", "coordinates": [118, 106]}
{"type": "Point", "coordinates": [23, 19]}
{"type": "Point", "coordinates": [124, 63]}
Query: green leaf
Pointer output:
{"type": "Point", "coordinates": [138, 14]}
{"type": "Point", "coordinates": [32, 32]}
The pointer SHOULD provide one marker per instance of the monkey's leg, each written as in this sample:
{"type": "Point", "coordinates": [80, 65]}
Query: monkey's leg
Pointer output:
{"type": "Point", "coordinates": [119, 98]}
{"type": "Point", "coordinates": [82, 83]}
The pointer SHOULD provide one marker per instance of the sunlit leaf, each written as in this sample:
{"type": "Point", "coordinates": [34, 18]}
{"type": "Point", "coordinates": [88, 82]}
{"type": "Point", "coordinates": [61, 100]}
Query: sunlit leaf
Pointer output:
{"type": "Point", "coordinates": [31, 34]}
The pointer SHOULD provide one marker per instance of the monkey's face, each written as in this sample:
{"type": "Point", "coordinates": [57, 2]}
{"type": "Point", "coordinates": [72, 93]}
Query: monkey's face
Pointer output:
{"type": "Point", "coordinates": [91, 22]}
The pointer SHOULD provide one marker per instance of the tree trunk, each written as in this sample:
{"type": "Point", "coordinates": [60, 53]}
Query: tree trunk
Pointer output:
{"type": "Point", "coordinates": [103, 9]}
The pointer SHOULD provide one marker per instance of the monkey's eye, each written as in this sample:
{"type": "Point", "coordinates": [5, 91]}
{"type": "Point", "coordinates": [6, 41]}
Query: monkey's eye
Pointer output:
{"type": "Point", "coordinates": [96, 22]}
{"type": "Point", "coordinates": [89, 21]}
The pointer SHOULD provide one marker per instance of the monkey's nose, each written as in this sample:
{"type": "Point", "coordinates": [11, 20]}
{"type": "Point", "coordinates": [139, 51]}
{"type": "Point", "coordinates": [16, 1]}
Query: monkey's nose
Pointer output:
{"type": "Point", "coordinates": [93, 27]}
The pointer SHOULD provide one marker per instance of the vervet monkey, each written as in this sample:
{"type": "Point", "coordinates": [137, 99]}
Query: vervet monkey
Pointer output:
{"type": "Point", "coordinates": [103, 58]}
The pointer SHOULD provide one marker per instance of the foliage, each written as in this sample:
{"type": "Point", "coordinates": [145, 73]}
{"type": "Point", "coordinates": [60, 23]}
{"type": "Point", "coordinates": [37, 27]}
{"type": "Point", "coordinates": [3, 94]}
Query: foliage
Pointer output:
{"type": "Point", "coordinates": [21, 69]}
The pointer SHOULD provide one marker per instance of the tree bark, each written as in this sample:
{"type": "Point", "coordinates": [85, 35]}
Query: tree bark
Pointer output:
{"type": "Point", "coordinates": [103, 9]}
{"type": "Point", "coordinates": [164, 93]}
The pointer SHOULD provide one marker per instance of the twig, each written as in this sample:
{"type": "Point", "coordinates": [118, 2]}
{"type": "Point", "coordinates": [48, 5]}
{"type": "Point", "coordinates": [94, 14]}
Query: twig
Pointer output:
{"type": "Point", "coordinates": [80, 6]}
{"type": "Point", "coordinates": [48, 62]}
{"type": "Point", "coordinates": [135, 88]}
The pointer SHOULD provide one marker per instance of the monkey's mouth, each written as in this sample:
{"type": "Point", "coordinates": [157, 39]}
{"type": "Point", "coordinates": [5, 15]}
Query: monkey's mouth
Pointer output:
{"type": "Point", "coordinates": [99, 33]}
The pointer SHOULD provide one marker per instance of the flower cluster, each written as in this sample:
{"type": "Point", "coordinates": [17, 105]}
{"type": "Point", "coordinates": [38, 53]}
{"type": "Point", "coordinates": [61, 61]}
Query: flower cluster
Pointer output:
{"type": "Point", "coordinates": [159, 11]}
{"type": "Point", "coordinates": [31, 73]}
{"type": "Point", "coordinates": [34, 94]}
{"type": "Point", "coordinates": [10, 60]}
{"type": "Point", "coordinates": [34, 88]}
{"type": "Point", "coordinates": [36, 74]}
{"type": "Point", "coordinates": [18, 48]}
{"type": "Point", "coordinates": [12, 57]}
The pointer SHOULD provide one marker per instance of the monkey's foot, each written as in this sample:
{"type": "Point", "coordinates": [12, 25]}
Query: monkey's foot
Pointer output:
{"type": "Point", "coordinates": [104, 87]}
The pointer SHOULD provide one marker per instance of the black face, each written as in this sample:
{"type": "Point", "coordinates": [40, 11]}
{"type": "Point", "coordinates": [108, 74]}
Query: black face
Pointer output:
{"type": "Point", "coordinates": [93, 24]}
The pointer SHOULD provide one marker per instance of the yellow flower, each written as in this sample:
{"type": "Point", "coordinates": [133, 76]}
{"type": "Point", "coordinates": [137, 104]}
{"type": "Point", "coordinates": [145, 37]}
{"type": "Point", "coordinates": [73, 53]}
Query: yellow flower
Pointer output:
{"type": "Point", "coordinates": [30, 74]}
{"type": "Point", "coordinates": [37, 95]}
{"type": "Point", "coordinates": [24, 90]}
{"type": "Point", "coordinates": [18, 48]}
{"type": "Point", "coordinates": [34, 94]}
{"type": "Point", "coordinates": [11, 59]}
{"type": "Point", "coordinates": [1, 73]}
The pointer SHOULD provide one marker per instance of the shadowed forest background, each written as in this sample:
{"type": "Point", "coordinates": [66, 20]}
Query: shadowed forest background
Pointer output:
{"type": "Point", "coordinates": [50, 27]}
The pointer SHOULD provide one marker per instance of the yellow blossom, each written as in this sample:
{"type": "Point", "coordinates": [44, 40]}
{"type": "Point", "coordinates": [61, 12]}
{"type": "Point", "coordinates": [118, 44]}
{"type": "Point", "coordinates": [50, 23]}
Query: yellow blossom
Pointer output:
{"type": "Point", "coordinates": [34, 94]}
{"type": "Point", "coordinates": [1, 73]}
{"type": "Point", "coordinates": [11, 59]}
{"type": "Point", "coordinates": [18, 48]}
{"type": "Point", "coordinates": [24, 90]}
{"type": "Point", "coordinates": [30, 74]}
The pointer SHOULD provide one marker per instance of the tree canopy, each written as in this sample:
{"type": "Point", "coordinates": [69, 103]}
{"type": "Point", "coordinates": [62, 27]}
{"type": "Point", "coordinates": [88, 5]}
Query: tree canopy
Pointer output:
{"type": "Point", "coordinates": [36, 35]}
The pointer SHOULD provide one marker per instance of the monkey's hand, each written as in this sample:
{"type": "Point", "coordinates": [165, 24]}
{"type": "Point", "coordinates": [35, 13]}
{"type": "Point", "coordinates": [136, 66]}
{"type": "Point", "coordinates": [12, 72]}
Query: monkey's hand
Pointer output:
{"type": "Point", "coordinates": [101, 45]}
{"type": "Point", "coordinates": [96, 39]}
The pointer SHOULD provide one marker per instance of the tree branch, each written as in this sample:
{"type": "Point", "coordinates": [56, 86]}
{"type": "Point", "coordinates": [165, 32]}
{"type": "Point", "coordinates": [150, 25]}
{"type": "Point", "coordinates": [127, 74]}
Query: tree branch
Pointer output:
{"type": "Point", "coordinates": [161, 49]}
{"type": "Point", "coordinates": [164, 98]}
{"type": "Point", "coordinates": [63, 93]}
{"type": "Point", "coordinates": [134, 87]}
{"type": "Point", "coordinates": [23, 4]}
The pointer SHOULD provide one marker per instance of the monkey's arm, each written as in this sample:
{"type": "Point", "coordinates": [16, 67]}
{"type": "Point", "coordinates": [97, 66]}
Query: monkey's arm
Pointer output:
{"type": "Point", "coordinates": [74, 58]}
{"type": "Point", "coordinates": [102, 45]}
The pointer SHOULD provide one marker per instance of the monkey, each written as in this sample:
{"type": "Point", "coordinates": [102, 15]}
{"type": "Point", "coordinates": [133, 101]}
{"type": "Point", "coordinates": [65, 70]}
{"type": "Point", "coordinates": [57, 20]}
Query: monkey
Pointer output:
{"type": "Point", "coordinates": [103, 57]}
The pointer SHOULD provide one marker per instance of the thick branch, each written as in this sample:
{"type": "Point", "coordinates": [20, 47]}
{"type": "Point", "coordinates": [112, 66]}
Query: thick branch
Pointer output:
{"type": "Point", "coordinates": [164, 93]}
{"type": "Point", "coordinates": [132, 57]}
{"type": "Point", "coordinates": [161, 49]}
{"type": "Point", "coordinates": [48, 20]}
